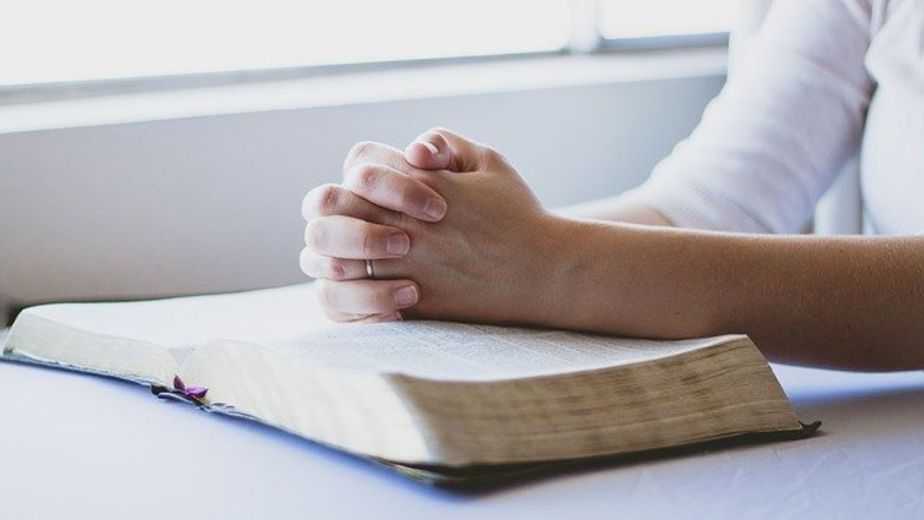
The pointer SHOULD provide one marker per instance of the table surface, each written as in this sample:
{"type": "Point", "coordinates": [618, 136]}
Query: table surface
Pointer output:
{"type": "Point", "coordinates": [79, 446]}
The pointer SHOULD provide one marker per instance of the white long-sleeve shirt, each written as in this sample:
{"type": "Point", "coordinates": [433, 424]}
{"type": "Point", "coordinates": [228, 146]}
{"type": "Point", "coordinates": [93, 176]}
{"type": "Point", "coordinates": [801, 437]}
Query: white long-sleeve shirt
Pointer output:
{"type": "Point", "coordinates": [822, 81]}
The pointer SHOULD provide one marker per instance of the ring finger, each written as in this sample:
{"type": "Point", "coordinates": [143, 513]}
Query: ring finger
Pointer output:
{"type": "Point", "coordinates": [342, 269]}
{"type": "Point", "coordinates": [320, 266]}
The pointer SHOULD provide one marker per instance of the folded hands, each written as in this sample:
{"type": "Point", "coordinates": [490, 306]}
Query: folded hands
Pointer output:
{"type": "Point", "coordinates": [452, 230]}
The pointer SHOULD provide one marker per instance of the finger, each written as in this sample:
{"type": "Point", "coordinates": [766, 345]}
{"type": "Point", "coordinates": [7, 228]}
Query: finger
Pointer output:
{"type": "Point", "coordinates": [429, 151]}
{"type": "Point", "coordinates": [368, 152]}
{"type": "Point", "coordinates": [331, 199]}
{"type": "Point", "coordinates": [318, 266]}
{"type": "Point", "coordinates": [351, 238]}
{"type": "Point", "coordinates": [368, 296]}
{"type": "Point", "coordinates": [391, 189]}
{"type": "Point", "coordinates": [458, 153]}
{"type": "Point", "coordinates": [377, 153]}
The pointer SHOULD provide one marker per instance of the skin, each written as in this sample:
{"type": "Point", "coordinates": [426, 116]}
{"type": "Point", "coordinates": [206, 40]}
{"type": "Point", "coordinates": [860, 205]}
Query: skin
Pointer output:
{"type": "Point", "coordinates": [470, 242]}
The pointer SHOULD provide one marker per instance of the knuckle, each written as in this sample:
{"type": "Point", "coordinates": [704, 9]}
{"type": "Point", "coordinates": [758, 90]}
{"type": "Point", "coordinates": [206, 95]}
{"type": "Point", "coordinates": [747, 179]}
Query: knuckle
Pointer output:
{"type": "Point", "coordinates": [328, 198]}
{"type": "Point", "coordinates": [336, 269]}
{"type": "Point", "coordinates": [365, 176]}
{"type": "Point", "coordinates": [322, 200]}
{"type": "Point", "coordinates": [357, 152]}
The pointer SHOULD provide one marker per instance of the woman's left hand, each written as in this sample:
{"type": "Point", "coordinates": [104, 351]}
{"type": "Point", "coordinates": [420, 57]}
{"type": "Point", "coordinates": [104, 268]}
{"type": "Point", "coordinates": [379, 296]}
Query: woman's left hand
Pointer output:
{"type": "Point", "coordinates": [489, 259]}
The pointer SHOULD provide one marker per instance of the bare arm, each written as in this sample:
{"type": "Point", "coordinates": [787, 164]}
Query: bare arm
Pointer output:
{"type": "Point", "coordinates": [847, 302]}
{"type": "Point", "coordinates": [497, 256]}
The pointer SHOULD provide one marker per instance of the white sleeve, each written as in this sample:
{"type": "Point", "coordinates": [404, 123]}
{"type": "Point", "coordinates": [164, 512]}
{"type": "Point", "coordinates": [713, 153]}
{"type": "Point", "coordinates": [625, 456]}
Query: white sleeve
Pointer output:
{"type": "Point", "coordinates": [773, 141]}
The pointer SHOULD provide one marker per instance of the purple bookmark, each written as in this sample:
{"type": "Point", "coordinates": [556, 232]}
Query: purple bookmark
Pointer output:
{"type": "Point", "coordinates": [196, 393]}
{"type": "Point", "coordinates": [181, 392]}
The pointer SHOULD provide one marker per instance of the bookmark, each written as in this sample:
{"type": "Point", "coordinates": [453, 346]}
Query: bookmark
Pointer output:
{"type": "Point", "coordinates": [181, 392]}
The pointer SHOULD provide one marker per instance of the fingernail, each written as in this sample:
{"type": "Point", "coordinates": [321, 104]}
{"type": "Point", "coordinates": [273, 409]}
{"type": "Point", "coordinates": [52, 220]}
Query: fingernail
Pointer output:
{"type": "Point", "coordinates": [406, 296]}
{"type": "Point", "coordinates": [430, 146]}
{"type": "Point", "coordinates": [435, 208]}
{"type": "Point", "coordinates": [397, 244]}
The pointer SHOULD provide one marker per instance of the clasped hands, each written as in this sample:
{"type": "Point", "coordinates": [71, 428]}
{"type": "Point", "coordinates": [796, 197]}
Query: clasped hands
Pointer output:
{"type": "Point", "coordinates": [451, 228]}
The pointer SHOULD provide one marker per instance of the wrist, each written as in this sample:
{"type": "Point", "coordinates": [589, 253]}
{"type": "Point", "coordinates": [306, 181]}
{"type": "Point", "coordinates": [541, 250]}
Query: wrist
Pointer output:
{"type": "Point", "coordinates": [635, 280]}
{"type": "Point", "coordinates": [557, 266]}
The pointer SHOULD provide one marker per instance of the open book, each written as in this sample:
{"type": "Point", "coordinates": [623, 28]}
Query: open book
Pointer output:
{"type": "Point", "coordinates": [424, 395]}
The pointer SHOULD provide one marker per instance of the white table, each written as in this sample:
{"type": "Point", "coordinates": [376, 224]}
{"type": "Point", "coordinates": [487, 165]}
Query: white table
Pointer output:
{"type": "Point", "coordinates": [77, 446]}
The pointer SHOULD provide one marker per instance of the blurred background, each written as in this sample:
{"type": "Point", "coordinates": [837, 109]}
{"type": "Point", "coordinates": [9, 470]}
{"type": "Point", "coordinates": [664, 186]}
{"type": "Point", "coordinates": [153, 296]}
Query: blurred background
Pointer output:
{"type": "Point", "coordinates": [158, 148]}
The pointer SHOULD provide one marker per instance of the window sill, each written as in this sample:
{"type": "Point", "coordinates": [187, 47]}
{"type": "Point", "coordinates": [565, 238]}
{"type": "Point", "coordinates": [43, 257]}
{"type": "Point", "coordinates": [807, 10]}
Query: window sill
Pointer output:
{"type": "Point", "coordinates": [441, 80]}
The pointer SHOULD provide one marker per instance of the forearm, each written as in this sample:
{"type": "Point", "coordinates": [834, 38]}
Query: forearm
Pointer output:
{"type": "Point", "coordinates": [851, 302]}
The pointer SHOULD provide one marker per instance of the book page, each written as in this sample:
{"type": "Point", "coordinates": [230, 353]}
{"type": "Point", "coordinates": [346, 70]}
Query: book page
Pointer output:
{"type": "Point", "coordinates": [445, 350]}
{"type": "Point", "coordinates": [181, 322]}
{"type": "Point", "coordinates": [148, 340]}
{"type": "Point", "coordinates": [290, 319]}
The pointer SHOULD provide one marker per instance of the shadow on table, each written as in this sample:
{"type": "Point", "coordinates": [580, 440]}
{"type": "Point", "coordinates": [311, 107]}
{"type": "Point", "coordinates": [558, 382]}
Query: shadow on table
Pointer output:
{"type": "Point", "coordinates": [910, 394]}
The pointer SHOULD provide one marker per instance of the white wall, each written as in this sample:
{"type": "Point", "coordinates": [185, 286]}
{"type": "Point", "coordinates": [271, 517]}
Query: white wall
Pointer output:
{"type": "Point", "coordinates": [212, 203]}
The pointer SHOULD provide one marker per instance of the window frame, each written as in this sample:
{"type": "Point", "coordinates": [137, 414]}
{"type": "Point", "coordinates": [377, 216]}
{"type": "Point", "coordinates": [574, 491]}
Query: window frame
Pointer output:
{"type": "Point", "coordinates": [65, 90]}
{"type": "Point", "coordinates": [667, 41]}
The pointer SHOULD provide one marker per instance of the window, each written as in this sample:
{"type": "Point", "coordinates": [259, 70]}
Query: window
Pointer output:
{"type": "Point", "coordinates": [51, 42]}
{"type": "Point", "coordinates": [54, 41]}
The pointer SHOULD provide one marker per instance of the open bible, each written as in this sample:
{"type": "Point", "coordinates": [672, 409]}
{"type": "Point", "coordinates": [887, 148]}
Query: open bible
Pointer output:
{"type": "Point", "coordinates": [437, 400]}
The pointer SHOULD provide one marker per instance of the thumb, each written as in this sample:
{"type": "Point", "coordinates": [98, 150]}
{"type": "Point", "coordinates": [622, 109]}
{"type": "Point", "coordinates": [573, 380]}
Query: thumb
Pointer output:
{"type": "Point", "coordinates": [441, 149]}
